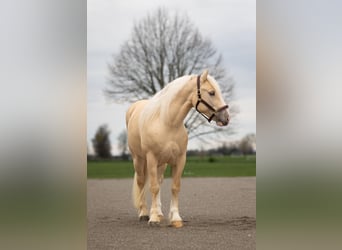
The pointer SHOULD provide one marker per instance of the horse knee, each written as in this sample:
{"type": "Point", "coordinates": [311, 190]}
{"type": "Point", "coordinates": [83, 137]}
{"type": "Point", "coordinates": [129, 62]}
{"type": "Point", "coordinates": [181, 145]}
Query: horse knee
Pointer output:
{"type": "Point", "coordinates": [175, 189]}
{"type": "Point", "coordinates": [141, 181]}
{"type": "Point", "coordinates": [154, 189]}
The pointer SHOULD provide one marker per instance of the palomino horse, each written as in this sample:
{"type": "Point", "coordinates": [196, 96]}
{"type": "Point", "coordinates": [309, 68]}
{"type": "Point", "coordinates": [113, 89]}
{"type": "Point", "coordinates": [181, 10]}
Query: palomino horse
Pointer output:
{"type": "Point", "coordinates": [157, 137]}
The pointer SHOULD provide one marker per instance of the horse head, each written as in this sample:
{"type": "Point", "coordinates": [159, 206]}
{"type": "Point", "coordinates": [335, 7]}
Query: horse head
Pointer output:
{"type": "Point", "coordinates": [209, 102]}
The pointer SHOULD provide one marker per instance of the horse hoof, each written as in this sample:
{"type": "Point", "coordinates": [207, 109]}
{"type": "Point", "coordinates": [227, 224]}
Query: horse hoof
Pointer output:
{"type": "Point", "coordinates": [154, 223]}
{"type": "Point", "coordinates": [144, 218]}
{"type": "Point", "coordinates": [176, 224]}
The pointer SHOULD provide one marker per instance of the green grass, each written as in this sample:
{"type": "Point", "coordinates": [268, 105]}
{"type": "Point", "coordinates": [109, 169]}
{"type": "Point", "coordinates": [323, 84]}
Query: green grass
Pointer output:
{"type": "Point", "coordinates": [194, 167]}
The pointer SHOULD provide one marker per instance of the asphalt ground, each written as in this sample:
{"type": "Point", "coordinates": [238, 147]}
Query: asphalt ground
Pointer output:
{"type": "Point", "coordinates": [218, 213]}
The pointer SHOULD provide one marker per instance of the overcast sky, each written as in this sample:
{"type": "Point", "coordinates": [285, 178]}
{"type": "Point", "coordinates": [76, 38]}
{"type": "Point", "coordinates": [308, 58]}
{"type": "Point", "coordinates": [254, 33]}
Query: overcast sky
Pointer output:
{"type": "Point", "coordinates": [230, 24]}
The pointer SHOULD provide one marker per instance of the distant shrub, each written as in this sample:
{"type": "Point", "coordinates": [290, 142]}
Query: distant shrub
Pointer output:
{"type": "Point", "coordinates": [211, 159]}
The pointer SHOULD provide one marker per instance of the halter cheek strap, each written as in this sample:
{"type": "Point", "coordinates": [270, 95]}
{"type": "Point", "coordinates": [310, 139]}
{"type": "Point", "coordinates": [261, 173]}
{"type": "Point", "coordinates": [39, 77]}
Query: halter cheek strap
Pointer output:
{"type": "Point", "coordinates": [200, 100]}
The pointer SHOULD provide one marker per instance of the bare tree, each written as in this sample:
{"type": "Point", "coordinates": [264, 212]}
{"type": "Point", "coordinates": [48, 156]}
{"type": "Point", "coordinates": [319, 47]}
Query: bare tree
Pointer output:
{"type": "Point", "coordinates": [248, 144]}
{"type": "Point", "coordinates": [122, 144]}
{"type": "Point", "coordinates": [163, 47]}
{"type": "Point", "coordinates": [101, 142]}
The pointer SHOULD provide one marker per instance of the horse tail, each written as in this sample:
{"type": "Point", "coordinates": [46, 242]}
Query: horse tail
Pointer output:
{"type": "Point", "coordinates": [137, 193]}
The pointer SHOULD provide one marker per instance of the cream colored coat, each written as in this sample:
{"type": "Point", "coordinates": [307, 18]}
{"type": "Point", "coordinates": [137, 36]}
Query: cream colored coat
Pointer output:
{"type": "Point", "coordinates": [157, 136]}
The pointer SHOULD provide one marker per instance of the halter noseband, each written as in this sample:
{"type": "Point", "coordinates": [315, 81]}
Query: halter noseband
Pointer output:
{"type": "Point", "coordinates": [200, 100]}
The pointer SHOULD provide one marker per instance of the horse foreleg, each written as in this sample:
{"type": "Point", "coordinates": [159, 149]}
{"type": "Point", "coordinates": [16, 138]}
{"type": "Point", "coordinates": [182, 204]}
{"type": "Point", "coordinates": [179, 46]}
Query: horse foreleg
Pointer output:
{"type": "Point", "coordinates": [161, 170]}
{"type": "Point", "coordinates": [154, 188]}
{"type": "Point", "coordinates": [177, 170]}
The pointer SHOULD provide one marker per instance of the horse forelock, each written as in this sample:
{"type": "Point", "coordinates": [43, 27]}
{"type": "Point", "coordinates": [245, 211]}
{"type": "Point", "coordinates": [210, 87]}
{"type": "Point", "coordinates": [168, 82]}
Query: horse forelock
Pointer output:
{"type": "Point", "coordinates": [215, 85]}
{"type": "Point", "coordinates": [159, 104]}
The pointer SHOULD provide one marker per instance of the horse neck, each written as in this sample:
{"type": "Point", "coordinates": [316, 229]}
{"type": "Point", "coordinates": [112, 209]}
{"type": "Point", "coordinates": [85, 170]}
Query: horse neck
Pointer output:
{"type": "Point", "coordinates": [181, 104]}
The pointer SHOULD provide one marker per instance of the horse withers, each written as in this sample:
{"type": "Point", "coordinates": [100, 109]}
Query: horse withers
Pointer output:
{"type": "Point", "coordinates": [157, 137]}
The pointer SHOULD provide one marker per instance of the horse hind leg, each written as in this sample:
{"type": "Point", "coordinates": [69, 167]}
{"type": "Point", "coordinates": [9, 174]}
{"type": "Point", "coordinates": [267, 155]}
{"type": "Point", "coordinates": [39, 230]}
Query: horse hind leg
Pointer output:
{"type": "Point", "coordinates": [138, 190]}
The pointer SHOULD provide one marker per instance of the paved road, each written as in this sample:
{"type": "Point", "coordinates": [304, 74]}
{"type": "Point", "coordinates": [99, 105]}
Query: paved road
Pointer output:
{"type": "Point", "coordinates": [218, 213]}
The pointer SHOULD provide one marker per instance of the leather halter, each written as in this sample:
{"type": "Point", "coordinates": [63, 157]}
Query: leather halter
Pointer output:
{"type": "Point", "coordinates": [200, 100]}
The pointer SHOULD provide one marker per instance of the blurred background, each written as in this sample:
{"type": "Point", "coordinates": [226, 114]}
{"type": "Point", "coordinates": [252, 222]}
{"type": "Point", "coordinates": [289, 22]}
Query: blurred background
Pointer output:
{"type": "Point", "coordinates": [299, 136]}
{"type": "Point", "coordinates": [43, 110]}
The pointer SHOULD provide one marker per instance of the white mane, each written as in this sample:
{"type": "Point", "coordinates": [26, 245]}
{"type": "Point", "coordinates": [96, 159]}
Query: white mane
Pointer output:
{"type": "Point", "coordinates": [160, 102]}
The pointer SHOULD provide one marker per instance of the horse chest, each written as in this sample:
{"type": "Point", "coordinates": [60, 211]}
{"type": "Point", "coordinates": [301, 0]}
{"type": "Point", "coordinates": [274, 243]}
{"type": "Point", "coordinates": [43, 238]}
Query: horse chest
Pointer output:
{"type": "Point", "coordinates": [169, 153]}
{"type": "Point", "coordinates": [167, 145]}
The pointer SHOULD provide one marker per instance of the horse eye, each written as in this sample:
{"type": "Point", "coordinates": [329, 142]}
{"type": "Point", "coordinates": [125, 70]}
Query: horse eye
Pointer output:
{"type": "Point", "coordinates": [212, 93]}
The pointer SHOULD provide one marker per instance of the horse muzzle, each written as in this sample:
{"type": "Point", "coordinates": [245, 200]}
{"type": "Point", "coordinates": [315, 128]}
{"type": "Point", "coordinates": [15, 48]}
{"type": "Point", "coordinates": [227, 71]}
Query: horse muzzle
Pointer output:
{"type": "Point", "coordinates": [222, 118]}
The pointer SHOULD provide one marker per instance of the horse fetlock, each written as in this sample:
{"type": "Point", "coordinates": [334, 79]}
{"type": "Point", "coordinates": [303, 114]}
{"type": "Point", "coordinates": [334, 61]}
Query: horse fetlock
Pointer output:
{"type": "Point", "coordinates": [160, 213]}
{"type": "Point", "coordinates": [155, 217]}
{"type": "Point", "coordinates": [174, 216]}
{"type": "Point", "coordinates": [161, 217]}
{"type": "Point", "coordinates": [143, 213]}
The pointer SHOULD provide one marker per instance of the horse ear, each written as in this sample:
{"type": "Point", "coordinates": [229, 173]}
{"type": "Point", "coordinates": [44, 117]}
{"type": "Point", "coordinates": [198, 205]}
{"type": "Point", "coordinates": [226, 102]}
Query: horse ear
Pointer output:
{"type": "Point", "coordinates": [204, 75]}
